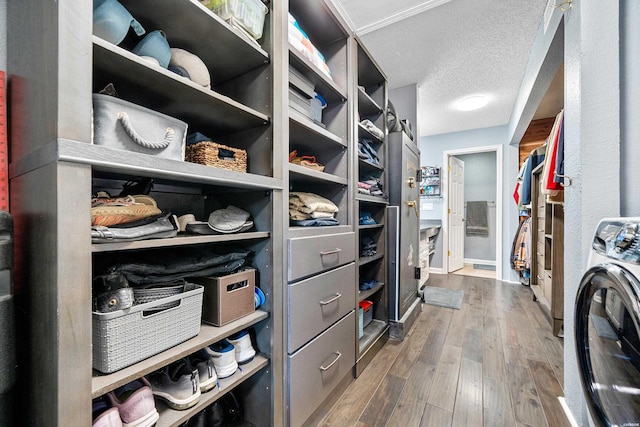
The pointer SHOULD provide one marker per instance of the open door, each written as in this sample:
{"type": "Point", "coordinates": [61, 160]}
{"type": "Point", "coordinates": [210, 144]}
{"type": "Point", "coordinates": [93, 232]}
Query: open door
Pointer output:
{"type": "Point", "coordinates": [456, 214]}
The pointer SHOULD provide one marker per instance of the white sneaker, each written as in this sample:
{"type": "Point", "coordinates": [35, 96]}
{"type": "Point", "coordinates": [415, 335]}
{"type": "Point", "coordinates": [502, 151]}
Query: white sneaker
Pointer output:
{"type": "Point", "coordinates": [223, 358]}
{"type": "Point", "coordinates": [244, 350]}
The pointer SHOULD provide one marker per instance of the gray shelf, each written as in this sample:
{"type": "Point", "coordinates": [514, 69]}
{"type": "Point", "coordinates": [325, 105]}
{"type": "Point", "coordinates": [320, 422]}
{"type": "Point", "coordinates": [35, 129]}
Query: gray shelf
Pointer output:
{"type": "Point", "coordinates": [369, 259]}
{"type": "Point", "coordinates": [368, 166]}
{"type": "Point", "coordinates": [366, 105]}
{"type": "Point", "coordinates": [101, 384]}
{"type": "Point", "coordinates": [372, 332]}
{"type": "Point", "coordinates": [158, 88]}
{"type": "Point", "coordinates": [370, 226]}
{"type": "Point", "coordinates": [303, 129]}
{"type": "Point", "coordinates": [302, 174]}
{"type": "Point", "coordinates": [363, 295]}
{"type": "Point", "coordinates": [119, 161]}
{"type": "Point", "coordinates": [180, 240]}
{"type": "Point", "coordinates": [371, 199]}
{"type": "Point", "coordinates": [364, 133]}
{"type": "Point", "coordinates": [324, 85]}
{"type": "Point", "coordinates": [221, 47]}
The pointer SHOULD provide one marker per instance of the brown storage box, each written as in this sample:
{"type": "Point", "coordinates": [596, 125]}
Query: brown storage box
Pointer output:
{"type": "Point", "coordinates": [227, 298]}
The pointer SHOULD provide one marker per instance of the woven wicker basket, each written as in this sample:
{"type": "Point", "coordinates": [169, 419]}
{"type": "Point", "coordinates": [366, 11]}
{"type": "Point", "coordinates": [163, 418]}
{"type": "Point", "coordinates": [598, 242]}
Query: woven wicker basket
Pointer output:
{"type": "Point", "coordinates": [206, 153]}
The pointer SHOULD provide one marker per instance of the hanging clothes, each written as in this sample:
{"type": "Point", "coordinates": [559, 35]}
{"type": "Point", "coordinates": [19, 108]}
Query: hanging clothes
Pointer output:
{"type": "Point", "coordinates": [522, 247]}
{"type": "Point", "coordinates": [559, 169]}
{"type": "Point", "coordinates": [548, 185]}
{"type": "Point", "coordinates": [535, 158]}
{"type": "Point", "coordinates": [517, 193]}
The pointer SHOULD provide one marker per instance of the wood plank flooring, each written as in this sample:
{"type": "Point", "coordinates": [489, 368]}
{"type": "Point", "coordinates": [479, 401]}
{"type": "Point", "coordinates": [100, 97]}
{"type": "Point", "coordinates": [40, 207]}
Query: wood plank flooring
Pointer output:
{"type": "Point", "coordinates": [493, 363]}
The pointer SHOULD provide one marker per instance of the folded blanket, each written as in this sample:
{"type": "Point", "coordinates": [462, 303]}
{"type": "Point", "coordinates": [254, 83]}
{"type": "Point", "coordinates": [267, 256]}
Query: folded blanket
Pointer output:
{"type": "Point", "coordinates": [310, 202]}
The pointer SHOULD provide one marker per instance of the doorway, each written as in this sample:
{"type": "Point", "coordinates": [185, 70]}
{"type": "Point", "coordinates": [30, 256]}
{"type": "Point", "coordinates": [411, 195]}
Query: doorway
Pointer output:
{"type": "Point", "coordinates": [482, 245]}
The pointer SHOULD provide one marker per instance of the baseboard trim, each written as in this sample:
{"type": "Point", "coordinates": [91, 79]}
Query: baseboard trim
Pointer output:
{"type": "Point", "coordinates": [567, 411]}
{"type": "Point", "coordinates": [479, 261]}
{"type": "Point", "coordinates": [435, 270]}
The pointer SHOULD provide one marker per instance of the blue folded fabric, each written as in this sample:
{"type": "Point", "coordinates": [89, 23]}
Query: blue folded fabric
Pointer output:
{"type": "Point", "coordinates": [315, 222]}
{"type": "Point", "coordinates": [366, 219]}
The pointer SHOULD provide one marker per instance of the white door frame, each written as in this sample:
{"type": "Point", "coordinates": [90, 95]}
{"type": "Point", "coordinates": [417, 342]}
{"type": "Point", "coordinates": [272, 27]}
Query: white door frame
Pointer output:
{"type": "Point", "coordinates": [445, 202]}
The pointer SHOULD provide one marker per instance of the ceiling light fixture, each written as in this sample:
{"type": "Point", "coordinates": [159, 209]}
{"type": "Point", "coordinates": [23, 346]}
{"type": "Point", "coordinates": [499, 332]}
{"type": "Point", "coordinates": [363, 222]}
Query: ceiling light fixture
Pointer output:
{"type": "Point", "coordinates": [471, 103]}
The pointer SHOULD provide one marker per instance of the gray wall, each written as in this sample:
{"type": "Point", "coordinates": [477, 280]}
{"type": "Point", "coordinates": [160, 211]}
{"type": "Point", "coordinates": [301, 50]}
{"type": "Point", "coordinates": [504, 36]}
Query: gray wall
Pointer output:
{"type": "Point", "coordinates": [480, 181]}
{"type": "Point", "coordinates": [405, 101]}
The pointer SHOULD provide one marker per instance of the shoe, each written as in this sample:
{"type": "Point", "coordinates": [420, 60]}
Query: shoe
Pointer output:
{"type": "Point", "coordinates": [242, 344]}
{"type": "Point", "coordinates": [135, 404]}
{"type": "Point", "coordinates": [107, 210]}
{"type": "Point", "coordinates": [224, 358]}
{"type": "Point", "coordinates": [212, 416]}
{"type": "Point", "coordinates": [165, 226]}
{"type": "Point", "coordinates": [104, 414]}
{"type": "Point", "coordinates": [203, 362]}
{"type": "Point", "coordinates": [111, 293]}
{"type": "Point", "coordinates": [177, 384]}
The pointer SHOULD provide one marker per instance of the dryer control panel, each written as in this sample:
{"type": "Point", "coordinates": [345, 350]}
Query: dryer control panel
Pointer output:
{"type": "Point", "coordinates": [619, 238]}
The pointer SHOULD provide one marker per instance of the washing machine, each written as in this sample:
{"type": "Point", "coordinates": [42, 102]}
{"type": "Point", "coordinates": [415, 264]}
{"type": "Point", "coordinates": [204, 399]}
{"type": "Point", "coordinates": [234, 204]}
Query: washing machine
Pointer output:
{"type": "Point", "coordinates": [607, 324]}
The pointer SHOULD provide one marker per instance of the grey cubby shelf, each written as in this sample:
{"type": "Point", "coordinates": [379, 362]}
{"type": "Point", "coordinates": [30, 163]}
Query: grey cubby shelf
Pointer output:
{"type": "Point", "coordinates": [364, 133]}
{"type": "Point", "coordinates": [366, 105]}
{"type": "Point", "coordinates": [303, 129]}
{"type": "Point", "coordinates": [372, 332]}
{"type": "Point", "coordinates": [368, 166]}
{"type": "Point", "coordinates": [156, 88]}
{"type": "Point", "coordinates": [180, 240]}
{"type": "Point", "coordinates": [220, 46]}
{"type": "Point", "coordinates": [324, 85]}
{"type": "Point", "coordinates": [111, 160]}
{"type": "Point", "coordinates": [372, 199]}
{"type": "Point", "coordinates": [101, 384]}
{"type": "Point", "coordinates": [369, 259]}
{"type": "Point", "coordinates": [172, 418]}
{"type": "Point", "coordinates": [363, 295]}
{"type": "Point", "coordinates": [302, 174]}
{"type": "Point", "coordinates": [370, 226]}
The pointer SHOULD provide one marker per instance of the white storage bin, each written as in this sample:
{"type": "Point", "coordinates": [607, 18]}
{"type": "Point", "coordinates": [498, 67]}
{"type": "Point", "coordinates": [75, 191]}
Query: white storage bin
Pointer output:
{"type": "Point", "coordinates": [250, 14]}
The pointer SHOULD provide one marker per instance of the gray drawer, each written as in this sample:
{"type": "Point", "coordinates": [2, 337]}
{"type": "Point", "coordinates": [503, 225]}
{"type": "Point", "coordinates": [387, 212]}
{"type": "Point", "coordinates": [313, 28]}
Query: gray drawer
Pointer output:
{"type": "Point", "coordinates": [310, 255]}
{"type": "Point", "coordinates": [317, 368]}
{"type": "Point", "coordinates": [316, 303]}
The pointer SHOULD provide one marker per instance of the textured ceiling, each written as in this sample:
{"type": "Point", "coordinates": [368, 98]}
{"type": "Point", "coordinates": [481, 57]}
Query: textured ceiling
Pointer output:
{"type": "Point", "coordinates": [451, 49]}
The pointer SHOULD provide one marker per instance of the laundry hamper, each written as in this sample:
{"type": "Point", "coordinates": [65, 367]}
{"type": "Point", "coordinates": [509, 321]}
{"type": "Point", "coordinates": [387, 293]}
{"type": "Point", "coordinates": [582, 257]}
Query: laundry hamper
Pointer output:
{"type": "Point", "coordinates": [124, 337]}
{"type": "Point", "coordinates": [208, 153]}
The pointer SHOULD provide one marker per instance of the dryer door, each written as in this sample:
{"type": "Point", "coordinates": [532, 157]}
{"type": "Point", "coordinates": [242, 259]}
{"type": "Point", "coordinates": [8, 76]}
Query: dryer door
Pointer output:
{"type": "Point", "coordinates": [607, 345]}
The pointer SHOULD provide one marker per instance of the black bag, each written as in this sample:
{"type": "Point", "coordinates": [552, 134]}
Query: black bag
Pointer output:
{"type": "Point", "coordinates": [393, 124]}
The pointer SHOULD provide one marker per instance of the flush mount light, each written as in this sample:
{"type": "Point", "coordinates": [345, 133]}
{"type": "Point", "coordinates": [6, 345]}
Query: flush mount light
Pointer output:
{"type": "Point", "coordinates": [471, 103]}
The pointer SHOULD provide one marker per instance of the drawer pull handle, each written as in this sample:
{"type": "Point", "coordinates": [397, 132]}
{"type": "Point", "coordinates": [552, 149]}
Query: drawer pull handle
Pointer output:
{"type": "Point", "coordinates": [332, 251]}
{"type": "Point", "coordinates": [326, 368]}
{"type": "Point", "coordinates": [331, 300]}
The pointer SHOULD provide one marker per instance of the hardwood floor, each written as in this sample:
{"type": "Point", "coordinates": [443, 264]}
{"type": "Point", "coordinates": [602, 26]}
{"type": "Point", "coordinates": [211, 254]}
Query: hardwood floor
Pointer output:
{"type": "Point", "coordinates": [492, 363]}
